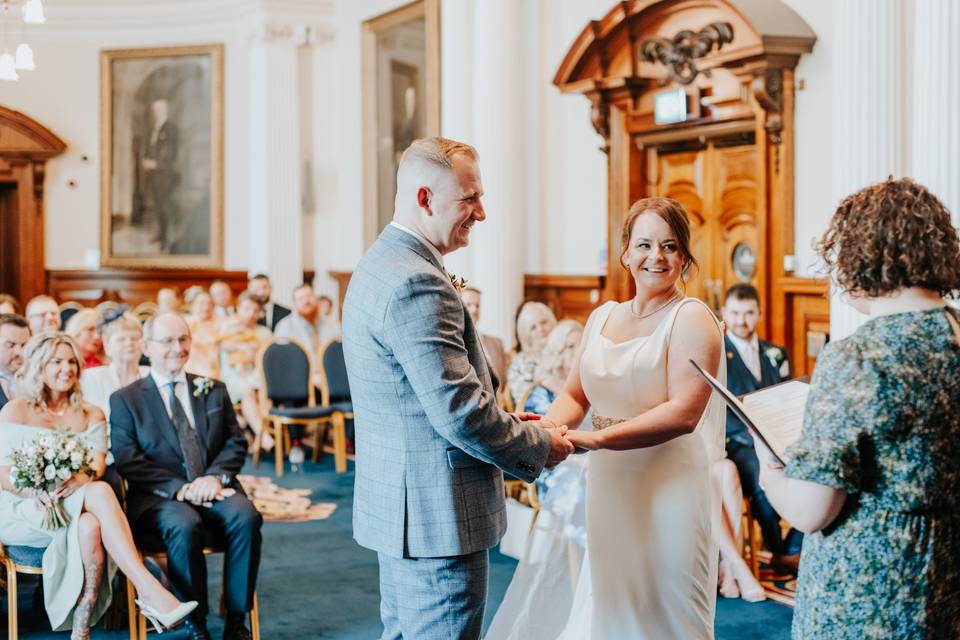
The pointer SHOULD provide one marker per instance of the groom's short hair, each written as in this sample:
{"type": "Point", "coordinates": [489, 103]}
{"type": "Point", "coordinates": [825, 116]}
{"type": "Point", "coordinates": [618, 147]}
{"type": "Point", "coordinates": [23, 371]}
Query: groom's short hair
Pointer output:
{"type": "Point", "coordinates": [438, 152]}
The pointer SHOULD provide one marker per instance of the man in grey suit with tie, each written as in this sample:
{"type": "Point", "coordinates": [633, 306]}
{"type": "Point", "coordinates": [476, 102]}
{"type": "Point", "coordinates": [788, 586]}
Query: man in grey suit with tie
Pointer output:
{"type": "Point", "coordinates": [430, 437]}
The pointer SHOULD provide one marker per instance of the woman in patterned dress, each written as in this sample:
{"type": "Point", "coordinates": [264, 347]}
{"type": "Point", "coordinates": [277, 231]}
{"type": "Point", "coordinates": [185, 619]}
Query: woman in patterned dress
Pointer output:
{"type": "Point", "coordinates": [874, 476]}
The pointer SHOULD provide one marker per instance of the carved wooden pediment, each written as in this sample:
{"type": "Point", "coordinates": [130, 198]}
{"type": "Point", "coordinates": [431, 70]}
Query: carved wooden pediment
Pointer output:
{"type": "Point", "coordinates": [23, 137]}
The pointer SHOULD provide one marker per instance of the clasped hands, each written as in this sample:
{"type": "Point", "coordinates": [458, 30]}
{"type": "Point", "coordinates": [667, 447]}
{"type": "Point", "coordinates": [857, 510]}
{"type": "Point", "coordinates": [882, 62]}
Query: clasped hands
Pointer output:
{"type": "Point", "coordinates": [563, 441]}
{"type": "Point", "coordinates": [204, 491]}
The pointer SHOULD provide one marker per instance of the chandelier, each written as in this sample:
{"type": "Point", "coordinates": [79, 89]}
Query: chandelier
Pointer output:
{"type": "Point", "coordinates": [31, 12]}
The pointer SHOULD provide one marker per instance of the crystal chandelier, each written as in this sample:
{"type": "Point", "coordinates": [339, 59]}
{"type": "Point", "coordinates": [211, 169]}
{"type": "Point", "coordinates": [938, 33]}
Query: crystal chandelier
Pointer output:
{"type": "Point", "coordinates": [31, 12]}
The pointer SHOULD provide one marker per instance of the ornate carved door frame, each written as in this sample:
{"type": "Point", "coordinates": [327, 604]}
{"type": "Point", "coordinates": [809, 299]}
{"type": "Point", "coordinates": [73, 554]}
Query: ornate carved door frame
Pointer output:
{"type": "Point", "coordinates": [25, 147]}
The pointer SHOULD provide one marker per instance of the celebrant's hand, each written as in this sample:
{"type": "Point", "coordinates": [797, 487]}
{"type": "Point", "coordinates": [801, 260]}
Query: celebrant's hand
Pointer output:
{"type": "Point", "coordinates": [75, 481]}
{"type": "Point", "coordinates": [584, 440]}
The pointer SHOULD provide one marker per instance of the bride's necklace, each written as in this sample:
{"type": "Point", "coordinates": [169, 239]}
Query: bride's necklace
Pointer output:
{"type": "Point", "coordinates": [641, 316]}
{"type": "Point", "coordinates": [58, 414]}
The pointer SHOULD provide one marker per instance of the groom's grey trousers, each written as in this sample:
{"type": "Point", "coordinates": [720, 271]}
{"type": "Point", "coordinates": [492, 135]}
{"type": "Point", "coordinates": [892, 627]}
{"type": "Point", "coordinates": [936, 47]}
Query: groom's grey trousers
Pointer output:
{"type": "Point", "coordinates": [433, 598]}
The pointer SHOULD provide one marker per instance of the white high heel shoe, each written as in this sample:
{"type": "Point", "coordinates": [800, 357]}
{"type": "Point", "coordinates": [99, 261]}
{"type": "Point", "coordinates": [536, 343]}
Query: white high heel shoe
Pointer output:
{"type": "Point", "coordinates": [161, 621]}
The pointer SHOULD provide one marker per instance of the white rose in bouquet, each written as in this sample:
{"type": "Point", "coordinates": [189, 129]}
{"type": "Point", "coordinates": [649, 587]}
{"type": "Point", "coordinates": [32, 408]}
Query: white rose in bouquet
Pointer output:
{"type": "Point", "coordinates": [50, 472]}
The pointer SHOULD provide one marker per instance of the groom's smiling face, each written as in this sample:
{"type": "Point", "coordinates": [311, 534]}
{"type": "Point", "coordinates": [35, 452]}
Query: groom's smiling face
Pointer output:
{"type": "Point", "coordinates": [454, 206]}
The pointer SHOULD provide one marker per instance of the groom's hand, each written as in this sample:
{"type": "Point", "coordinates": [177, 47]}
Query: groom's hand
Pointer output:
{"type": "Point", "coordinates": [560, 447]}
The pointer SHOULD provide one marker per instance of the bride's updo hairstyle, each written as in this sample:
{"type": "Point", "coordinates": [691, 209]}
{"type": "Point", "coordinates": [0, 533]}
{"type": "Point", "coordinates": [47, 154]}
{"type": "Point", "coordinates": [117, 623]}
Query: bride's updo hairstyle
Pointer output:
{"type": "Point", "coordinates": [37, 353]}
{"type": "Point", "coordinates": [671, 212]}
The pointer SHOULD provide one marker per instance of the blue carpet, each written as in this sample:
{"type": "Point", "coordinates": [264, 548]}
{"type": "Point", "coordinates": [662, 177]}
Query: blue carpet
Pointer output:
{"type": "Point", "coordinates": [315, 582]}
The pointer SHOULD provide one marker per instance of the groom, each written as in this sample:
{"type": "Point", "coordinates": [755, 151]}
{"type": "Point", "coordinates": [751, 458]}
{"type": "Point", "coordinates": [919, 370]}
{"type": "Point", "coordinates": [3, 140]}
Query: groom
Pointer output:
{"type": "Point", "coordinates": [429, 436]}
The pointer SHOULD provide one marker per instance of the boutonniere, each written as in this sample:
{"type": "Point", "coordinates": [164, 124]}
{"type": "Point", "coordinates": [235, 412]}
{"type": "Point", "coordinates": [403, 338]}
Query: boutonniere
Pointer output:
{"type": "Point", "coordinates": [458, 282]}
{"type": "Point", "coordinates": [774, 356]}
{"type": "Point", "coordinates": [203, 386]}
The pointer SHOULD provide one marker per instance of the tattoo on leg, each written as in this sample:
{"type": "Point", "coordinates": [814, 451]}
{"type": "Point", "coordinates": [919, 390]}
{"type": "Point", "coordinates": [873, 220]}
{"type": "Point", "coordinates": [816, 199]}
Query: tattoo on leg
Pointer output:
{"type": "Point", "coordinates": [82, 614]}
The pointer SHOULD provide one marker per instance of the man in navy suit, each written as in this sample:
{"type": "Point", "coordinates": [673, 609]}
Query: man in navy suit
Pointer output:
{"type": "Point", "coordinates": [272, 312]}
{"type": "Point", "coordinates": [176, 441]}
{"type": "Point", "coordinates": [14, 333]}
{"type": "Point", "coordinates": [753, 364]}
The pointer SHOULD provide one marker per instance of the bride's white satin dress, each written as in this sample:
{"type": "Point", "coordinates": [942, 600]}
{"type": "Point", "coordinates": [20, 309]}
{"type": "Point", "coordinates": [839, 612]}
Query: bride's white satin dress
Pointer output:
{"type": "Point", "coordinates": [650, 571]}
{"type": "Point", "coordinates": [653, 563]}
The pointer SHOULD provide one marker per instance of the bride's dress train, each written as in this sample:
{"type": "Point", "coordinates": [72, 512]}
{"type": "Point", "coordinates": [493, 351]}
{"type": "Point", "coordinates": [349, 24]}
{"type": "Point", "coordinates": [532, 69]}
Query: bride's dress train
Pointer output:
{"type": "Point", "coordinates": [652, 567]}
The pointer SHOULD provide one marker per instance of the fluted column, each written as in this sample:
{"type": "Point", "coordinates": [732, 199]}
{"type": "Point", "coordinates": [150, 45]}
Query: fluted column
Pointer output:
{"type": "Point", "coordinates": [868, 110]}
{"type": "Point", "coordinates": [498, 136]}
{"type": "Point", "coordinates": [276, 221]}
{"type": "Point", "coordinates": [935, 95]}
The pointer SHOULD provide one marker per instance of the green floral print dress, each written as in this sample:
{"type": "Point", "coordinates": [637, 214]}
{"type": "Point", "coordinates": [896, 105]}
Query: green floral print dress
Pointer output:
{"type": "Point", "coordinates": [882, 423]}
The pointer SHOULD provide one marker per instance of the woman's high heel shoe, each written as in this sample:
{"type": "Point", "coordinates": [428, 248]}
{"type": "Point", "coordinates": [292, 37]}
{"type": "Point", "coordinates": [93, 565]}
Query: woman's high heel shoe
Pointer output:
{"type": "Point", "coordinates": [161, 621]}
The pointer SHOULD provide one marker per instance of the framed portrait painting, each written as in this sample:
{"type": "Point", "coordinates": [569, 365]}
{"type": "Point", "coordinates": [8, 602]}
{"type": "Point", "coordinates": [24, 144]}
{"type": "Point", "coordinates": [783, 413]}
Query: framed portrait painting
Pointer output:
{"type": "Point", "coordinates": [401, 99]}
{"type": "Point", "coordinates": [161, 180]}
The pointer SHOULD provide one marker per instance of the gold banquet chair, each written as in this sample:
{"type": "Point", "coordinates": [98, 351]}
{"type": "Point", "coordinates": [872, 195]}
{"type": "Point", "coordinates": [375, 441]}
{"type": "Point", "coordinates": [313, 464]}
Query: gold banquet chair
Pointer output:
{"type": "Point", "coordinates": [287, 397]}
{"type": "Point", "coordinates": [524, 492]}
{"type": "Point", "coordinates": [18, 559]}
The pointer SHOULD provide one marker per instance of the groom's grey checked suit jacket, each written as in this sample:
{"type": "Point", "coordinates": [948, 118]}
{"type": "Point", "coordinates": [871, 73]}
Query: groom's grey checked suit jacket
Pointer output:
{"type": "Point", "coordinates": [428, 429]}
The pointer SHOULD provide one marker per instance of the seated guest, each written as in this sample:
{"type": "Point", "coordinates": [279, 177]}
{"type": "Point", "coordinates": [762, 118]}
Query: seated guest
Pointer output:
{"type": "Point", "coordinates": [179, 447]}
{"type": "Point", "coordinates": [84, 328]}
{"type": "Point", "coordinates": [14, 334]}
{"type": "Point", "coordinates": [240, 341]}
{"type": "Point", "coordinates": [168, 300]}
{"type": "Point", "coordinates": [304, 326]}
{"type": "Point", "coordinates": [734, 576]}
{"type": "Point", "coordinates": [191, 293]}
{"type": "Point", "coordinates": [271, 313]}
{"type": "Point", "coordinates": [121, 341]}
{"type": "Point", "coordinates": [205, 332]}
{"type": "Point", "coordinates": [222, 299]}
{"type": "Point", "coordinates": [535, 321]}
{"type": "Point", "coordinates": [873, 479]}
{"type": "Point", "coordinates": [76, 578]}
{"type": "Point", "coordinates": [492, 344]}
{"type": "Point", "coordinates": [9, 304]}
{"type": "Point", "coordinates": [558, 356]}
{"type": "Point", "coordinates": [329, 326]}
{"type": "Point", "coordinates": [753, 364]}
{"type": "Point", "coordinates": [43, 315]}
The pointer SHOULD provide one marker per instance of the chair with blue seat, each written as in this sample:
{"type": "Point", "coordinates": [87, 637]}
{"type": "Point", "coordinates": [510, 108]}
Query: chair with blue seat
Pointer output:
{"type": "Point", "coordinates": [335, 391]}
{"type": "Point", "coordinates": [18, 559]}
{"type": "Point", "coordinates": [287, 397]}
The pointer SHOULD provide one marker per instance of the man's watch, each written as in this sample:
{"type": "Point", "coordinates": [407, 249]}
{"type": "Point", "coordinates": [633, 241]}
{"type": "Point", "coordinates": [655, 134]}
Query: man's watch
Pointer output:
{"type": "Point", "coordinates": [225, 479]}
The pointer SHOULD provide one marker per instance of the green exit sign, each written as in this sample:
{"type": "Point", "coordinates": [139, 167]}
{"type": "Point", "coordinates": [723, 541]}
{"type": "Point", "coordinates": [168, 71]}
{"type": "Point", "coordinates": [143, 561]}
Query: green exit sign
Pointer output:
{"type": "Point", "coordinates": [670, 106]}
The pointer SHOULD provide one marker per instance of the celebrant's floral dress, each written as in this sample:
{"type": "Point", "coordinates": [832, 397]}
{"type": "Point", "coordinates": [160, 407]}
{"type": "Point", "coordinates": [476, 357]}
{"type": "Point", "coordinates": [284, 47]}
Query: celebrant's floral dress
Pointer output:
{"type": "Point", "coordinates": [20, 524]}
{"type": "Point", "coordinates": [882, 423]}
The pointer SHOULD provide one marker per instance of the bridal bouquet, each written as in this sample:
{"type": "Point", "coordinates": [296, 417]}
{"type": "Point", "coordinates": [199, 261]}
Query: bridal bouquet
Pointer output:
{"type": "Point", "coordinates": [45, 463]}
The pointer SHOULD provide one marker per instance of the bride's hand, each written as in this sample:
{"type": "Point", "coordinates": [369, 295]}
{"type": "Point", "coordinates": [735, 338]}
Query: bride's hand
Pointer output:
{"type": "Point", "coordinates": [76, 481]}
{"type": "Point", "coordinates": [584, 440]}
{"type": "Point", "coordinates": [43, 500]}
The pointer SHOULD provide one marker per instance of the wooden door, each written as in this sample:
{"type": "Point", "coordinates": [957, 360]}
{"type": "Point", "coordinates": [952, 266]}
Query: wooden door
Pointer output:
{"type": "Point", "coordinates": [717, 183]}
{"type": "Point", "coordinates": [9, 244]}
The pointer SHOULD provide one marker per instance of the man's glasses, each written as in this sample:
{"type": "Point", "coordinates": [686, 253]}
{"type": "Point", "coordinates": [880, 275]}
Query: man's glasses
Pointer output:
{"type": "Point", "coordinates": [169, 342]}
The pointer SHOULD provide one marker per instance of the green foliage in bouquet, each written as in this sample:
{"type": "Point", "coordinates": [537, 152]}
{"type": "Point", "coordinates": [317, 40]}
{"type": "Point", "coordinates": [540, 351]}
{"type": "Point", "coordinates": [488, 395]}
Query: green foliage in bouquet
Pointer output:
{"type": "Point", "coordinates": [48, 461]}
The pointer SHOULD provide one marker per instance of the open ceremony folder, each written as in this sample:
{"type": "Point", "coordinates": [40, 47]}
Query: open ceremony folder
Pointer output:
{"type": "Point", "coordinates": [774, 414]}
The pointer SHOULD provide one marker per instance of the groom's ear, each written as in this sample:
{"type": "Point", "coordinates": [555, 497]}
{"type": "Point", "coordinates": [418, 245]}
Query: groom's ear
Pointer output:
{"type": "Point", "coordinates": [424, 196]}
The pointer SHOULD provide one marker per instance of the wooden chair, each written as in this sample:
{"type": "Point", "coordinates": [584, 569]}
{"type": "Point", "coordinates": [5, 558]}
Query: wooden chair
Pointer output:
{"type": "Point", "coordinates": [752, 540]}
{"type": "Point", "coordinates": [107, 305]}
{"type": "Point", "coordinates": [287, 397]}
{"type": "Point", "coordinates": [67, 309]}
{"type": "Point", "coordinates": [138, 623]}
{"type": "Point", "coordinates": [525, 492]}
{"type": "Point", "coordinates": [17, 559]}
{"type": "Point", "coordinates": [335, 390]}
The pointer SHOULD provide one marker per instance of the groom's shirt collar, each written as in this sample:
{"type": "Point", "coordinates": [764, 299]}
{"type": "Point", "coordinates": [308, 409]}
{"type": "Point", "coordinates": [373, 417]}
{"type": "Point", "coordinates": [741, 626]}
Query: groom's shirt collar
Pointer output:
{"type": "Point", "coordinates": [433, 250]}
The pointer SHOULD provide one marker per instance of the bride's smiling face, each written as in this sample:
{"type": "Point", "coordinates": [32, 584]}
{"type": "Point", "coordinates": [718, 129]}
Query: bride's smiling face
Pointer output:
{"type": "Point", "coordinates": [653, 256]}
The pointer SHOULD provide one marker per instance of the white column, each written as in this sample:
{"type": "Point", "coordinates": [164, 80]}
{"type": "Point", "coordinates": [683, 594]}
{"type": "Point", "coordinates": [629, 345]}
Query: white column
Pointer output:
{"type": "Point", "coordinates": [276, 222]}
{"type": "Point", "coordinates": [457, 106]}
{"type": "Point", "coordinates": [935, 95]}
{"type": "Point", "coordinates": [498, 92]}
{"type": "Point", "coordinates": [868, 83]}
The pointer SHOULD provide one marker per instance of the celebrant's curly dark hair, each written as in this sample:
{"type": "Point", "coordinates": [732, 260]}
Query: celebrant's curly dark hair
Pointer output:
{"type": "Point", "coordinates": [892, 235]}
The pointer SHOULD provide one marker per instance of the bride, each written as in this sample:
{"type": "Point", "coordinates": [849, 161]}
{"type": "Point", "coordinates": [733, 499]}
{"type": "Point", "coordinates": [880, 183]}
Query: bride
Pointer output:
{"type": "Point", "coordinates": [76, 574]}
{"type": "Point", "coordinates": [652, 563]}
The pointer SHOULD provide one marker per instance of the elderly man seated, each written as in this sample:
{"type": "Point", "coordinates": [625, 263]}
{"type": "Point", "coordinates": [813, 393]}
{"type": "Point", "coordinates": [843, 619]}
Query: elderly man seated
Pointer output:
{"type": "Point", "coordinates": [176, 440]}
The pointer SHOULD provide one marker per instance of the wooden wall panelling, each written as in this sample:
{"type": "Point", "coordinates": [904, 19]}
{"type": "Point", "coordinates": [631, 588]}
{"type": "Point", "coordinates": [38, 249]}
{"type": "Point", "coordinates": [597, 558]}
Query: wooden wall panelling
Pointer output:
{"type": "Point", "coordinates": [570, 296]}
{"type": "Point", "coordinates": [133, 286]}
{"type": "Point", "coordinates": [805, 322]}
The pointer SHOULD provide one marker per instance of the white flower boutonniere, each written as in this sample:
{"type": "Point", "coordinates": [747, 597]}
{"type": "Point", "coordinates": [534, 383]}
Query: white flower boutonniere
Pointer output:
{"type": "Point", "coordinates": [458, 283]}
{"type": "Point", "coordinates": [774, 356]}
{"type": "Point", "coordinates": [203, 386]}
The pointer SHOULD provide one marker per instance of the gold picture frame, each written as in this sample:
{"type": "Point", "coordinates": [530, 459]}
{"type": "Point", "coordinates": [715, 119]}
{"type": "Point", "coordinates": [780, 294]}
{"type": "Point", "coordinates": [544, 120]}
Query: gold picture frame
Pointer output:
{"type": "Point", "coordinates": [161, 150]}
{"type": "Point", "coordinates": [401, 99]}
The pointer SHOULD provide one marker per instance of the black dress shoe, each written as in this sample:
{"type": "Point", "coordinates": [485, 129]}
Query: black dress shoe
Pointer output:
{"type": "Point", "coordinates": [196, 630]}
{"type": "Point", "coordinates": [236, 631]}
